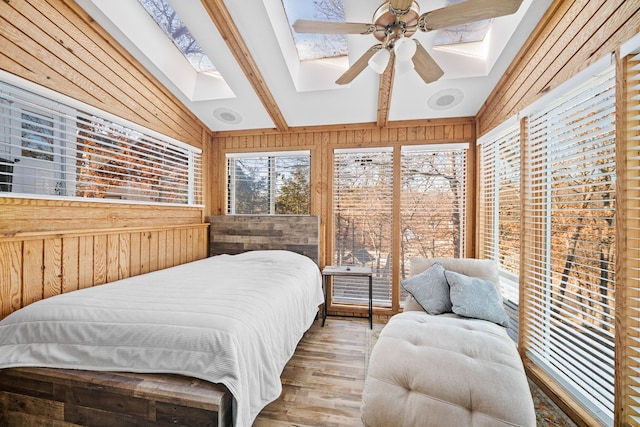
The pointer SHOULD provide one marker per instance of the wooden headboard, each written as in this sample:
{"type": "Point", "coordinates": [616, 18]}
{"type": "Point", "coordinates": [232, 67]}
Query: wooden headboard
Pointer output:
{"type": "Point", "coordinates": [234, 234]}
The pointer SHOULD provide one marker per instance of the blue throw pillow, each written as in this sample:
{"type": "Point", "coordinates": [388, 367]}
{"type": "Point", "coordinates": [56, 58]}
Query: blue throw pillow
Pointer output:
{"type": "Point", "coordinates": [430, 289]}
{"type": "Point", "coordinates": [477, 298]}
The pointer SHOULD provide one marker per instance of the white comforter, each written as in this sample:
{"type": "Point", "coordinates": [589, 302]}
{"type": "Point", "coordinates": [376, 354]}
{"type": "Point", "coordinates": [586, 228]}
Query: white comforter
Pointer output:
{"type": "Point", "coordinates": [230, 319]}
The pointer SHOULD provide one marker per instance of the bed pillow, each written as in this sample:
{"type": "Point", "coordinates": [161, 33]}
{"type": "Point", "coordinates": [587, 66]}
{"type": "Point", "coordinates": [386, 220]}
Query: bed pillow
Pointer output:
{"type": "Point", "coordinates": [477, 298]}
{"type": "Point", "coordinates": [430, 289]}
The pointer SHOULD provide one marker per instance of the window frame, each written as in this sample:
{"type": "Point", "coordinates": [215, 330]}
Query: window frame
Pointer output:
{"type": "Point", "coordinates": [18, 96]}
{"type": "Point", "coordinates": [272, 178]}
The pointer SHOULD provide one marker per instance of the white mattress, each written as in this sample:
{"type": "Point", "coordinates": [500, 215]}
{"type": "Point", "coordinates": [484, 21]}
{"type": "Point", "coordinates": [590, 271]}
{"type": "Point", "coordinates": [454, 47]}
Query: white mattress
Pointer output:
{"type": "Point", "coordinates": [230, 319]}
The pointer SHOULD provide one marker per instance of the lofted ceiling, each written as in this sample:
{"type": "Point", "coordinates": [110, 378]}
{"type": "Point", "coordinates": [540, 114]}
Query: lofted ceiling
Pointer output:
{"type": "Point", "coordinates": [261, 84]}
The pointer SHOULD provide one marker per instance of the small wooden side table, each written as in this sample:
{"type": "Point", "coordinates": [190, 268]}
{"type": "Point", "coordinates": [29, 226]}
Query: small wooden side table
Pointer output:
{"type": "Point", "coordinates": [331, 270]}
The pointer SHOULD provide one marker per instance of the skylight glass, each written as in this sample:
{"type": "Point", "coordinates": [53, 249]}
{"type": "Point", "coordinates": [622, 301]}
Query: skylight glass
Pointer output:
{"type": "Point", "coordinates": [317, 46]}
{"type": "Point", "coordinates": [171, 24]}
{"type": "Point", "coordinates": [468, 33]}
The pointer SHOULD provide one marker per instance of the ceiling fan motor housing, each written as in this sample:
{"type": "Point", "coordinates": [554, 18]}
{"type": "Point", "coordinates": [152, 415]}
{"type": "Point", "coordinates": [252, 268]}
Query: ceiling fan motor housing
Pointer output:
{"type": "Point", "coordinates": [391, 26]}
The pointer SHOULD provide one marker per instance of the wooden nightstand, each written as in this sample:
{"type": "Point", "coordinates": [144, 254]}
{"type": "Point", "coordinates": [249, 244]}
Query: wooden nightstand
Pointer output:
{"type": "Point", "coordinates": [331, 270]}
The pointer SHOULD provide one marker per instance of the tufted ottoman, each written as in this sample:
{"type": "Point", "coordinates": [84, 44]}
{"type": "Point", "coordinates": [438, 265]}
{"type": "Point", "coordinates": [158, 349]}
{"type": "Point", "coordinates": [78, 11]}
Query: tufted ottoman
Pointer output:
{"type": "Point", "coordinates": [445, 370]}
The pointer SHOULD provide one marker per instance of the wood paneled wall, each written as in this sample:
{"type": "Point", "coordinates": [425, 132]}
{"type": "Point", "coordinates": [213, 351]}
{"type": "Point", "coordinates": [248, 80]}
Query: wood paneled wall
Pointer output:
{"type": "Point", "coordinates": [572, 35]}
{"type": "Point", "coordinates": [34, 266]}
{"type": "Point", "coordinates": [321, 141]}
{"type": "Point", "coordinates": [55, 44]}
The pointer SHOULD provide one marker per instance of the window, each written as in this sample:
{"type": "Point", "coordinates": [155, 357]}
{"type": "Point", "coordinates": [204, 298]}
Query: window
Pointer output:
{"type": "Point", "coordinates": [433, 212]}
{"type": "Point", "coordinates": [433, 202]}
{"type": "Point", "coordinates": [362, 221]}
{"type": "Point", "coordinates": [570, 241]}
{"type": "Point", "coordinates": [499, 209]}
{"type": "Point", "coordinates": [49, 148]}
{"type": "Point", "coordinates": [269, 183]}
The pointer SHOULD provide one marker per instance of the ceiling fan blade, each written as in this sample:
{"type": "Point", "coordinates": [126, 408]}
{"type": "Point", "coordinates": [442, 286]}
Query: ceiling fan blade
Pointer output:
{"type": "Point", "coordinates": [466, 12]}
{"type": "Point", "coordinates": [358, 66]}
{"type": "Point", "coordinates": [329, 27]}
{"type": "Point", "coordinates": [425, 65]}
{"type": "Point", "coordinates": [400, 7]}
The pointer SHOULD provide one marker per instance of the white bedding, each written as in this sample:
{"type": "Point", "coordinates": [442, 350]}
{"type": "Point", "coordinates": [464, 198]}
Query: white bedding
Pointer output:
{"type": "Point", "coordinates": [230, 319]}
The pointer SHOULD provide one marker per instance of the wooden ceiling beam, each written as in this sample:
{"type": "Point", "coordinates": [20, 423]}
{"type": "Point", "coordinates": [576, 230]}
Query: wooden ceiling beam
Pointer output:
{"type": "Point", "coordinates": [384, 94]}
{"type": "Point", "coordinates": [222, 19]}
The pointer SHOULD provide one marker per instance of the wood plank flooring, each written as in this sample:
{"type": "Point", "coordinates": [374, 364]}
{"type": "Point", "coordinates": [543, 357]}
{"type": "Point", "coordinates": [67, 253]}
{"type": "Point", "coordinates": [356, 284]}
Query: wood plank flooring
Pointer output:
{"type": "Point", "coordinates": [323, 381]}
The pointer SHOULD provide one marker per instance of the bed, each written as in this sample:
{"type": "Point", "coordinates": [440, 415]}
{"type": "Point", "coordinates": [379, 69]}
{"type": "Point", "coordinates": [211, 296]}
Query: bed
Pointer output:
{"type": "Point", "coordinates": [230, 320]}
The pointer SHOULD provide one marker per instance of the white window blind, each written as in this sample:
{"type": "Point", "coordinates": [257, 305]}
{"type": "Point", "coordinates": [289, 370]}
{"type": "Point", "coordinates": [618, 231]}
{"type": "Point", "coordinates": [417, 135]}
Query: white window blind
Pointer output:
{"type": "Point", "coordinates": [50, 149]}
{"type": "Point", "coordinates": [499, 210]}
{"type": "Point", "coordinates": [631, 264]}
{"type": "Point", "coordinates": [362, 222]}
{"type": "Point", "coordinates": [570, 243]}
{"type": "Point", "coordinates": [276, 183]}
{"type": "Point", "coordinates": [433, 202]}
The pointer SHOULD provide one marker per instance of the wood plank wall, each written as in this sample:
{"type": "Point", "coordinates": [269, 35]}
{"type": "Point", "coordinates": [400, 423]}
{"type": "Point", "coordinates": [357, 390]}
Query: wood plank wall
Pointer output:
{"type": "Point", "coordinates": [572, 35]}
{"type": "Point", "coordinates": [55, 44]}
{"type": "Point", "coordinates": [38, 265]}
{"type": "Point", "coordinates": [321, 141]}
{"type": "Point", "coordinates": [53, 246]}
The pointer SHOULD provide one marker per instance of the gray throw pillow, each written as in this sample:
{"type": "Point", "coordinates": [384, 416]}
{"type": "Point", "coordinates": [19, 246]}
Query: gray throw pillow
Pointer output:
{"type": "Point", "coordinates": [477, 298]}
{"type": "Point", "coordinates": [430, 289]}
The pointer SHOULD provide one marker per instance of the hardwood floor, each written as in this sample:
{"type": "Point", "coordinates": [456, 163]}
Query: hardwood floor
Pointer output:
{"type": "Point", "coordinates": [322, 383]}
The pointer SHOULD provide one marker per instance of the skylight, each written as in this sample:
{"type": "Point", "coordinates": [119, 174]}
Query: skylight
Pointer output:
{"type": "Point", "coordinates": [171, 24]}
{"type": "Point", "coordinates": [317, 46]}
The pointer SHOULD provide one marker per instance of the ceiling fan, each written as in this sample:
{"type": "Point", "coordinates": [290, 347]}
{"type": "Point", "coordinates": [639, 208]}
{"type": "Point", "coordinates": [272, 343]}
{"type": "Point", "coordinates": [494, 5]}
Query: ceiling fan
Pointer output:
{"type": "Point", "coordinates": [395, 21]}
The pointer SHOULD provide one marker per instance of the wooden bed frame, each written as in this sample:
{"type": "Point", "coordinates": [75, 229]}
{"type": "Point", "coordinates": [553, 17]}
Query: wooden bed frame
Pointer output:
{"type": "Point", "coordinates": [43, 396]}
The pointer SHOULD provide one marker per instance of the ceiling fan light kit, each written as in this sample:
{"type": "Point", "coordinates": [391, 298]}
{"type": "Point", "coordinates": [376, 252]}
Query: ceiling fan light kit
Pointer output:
{"type": "Point", "coordinates": [379, 61]}
{"type": "Point", "coordinates": [404, 49]}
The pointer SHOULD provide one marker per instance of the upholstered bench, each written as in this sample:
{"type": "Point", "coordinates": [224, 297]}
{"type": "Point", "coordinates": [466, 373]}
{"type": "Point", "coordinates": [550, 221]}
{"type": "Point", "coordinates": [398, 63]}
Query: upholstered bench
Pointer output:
{"type": "Point", "coordinates": [446, 370]}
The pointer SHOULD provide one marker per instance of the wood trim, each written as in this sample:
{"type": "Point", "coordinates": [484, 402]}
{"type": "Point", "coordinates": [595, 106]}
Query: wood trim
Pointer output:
{"type": "Point", "coordinates": [564, 400]}
{"type": "Point", "coordinates": [25, 215]}
{"type": "Point", "coordinates": [295, 133]}
{"type": "Point", "coordinates": [628, 235]}
{"type": "Point", "coordinates": [224, 22]}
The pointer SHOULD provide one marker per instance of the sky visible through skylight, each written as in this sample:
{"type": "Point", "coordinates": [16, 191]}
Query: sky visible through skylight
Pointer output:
{"type": "Point", "coordinates": [171, 24]}
{"type": "Point", "coordinates": [317, 46]}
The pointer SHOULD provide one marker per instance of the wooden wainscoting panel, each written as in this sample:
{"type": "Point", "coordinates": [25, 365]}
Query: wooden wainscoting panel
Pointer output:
{"type": "Point", "coordinates": [99, 259]}
{"type": "Point", "coordinates": [52, 267]}
{"type": "Point", "coordinates": [113, 257]}
{"type": "Point", "coordinates": [85, 262]}
{"type": "Point", "coordinates": [36, 266]}
{"type": "Point", "coordinates": [70, 268]}
{"type": "Point", "coordinates": [32, 272]}
{"type": "Point", "coordinates": [10, 277]}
